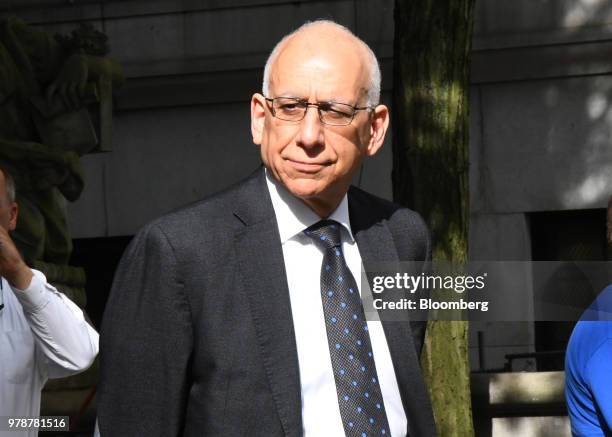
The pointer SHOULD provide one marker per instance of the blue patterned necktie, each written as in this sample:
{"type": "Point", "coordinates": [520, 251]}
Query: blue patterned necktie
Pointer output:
{"type": "Point", "coordinates": [359, 396]}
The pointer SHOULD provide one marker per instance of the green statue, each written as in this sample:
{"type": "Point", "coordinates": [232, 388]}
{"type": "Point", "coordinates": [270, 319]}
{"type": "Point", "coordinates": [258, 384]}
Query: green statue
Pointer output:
{"type": "Point", "coordinates": [55, 106]}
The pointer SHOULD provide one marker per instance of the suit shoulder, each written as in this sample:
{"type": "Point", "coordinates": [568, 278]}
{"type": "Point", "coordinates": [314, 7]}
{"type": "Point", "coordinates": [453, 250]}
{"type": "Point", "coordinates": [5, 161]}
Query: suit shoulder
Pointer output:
{"type": "Point", "coordinates": [384, 209]}
{"type": "Point", "coordinates": [409, 230]}
{"type": "Point", "coordinates": [209, 213]}
{"type": "Point", "coordinates": [363, 198]}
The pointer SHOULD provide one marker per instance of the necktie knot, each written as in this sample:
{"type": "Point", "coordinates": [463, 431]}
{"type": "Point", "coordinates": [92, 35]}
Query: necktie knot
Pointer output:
{"type": "Point", "coordinates": [325, 233]}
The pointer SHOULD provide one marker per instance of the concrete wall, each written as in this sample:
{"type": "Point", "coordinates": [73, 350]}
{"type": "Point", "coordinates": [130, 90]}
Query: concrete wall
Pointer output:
{"type": "Point", "coordinates": [182, 120]}
{"type": "Point", "coordinates": [541, 125]}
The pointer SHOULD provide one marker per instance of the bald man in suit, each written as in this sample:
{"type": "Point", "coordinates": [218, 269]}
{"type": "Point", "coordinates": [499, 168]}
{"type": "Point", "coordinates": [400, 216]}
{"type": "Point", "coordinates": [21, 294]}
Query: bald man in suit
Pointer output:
{"type": "Point", "coordinates": [222, 322]}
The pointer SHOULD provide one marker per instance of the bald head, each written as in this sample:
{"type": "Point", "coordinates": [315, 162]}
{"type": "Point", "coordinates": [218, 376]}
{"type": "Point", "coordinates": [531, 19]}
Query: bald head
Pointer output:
{"type": "Point", "coordinates": [609, 224]}
{"type": "Point", "coordinates": [6, 181]}
{"type": "Point", "coordinates": [8, 207]}
{"type": "Point", "coordinates": [326, 38]}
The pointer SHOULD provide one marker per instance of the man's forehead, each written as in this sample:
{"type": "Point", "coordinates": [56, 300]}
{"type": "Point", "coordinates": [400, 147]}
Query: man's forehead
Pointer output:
{"type": "Point", "coordinates": [347, 96]}
{"type": "Point", "coordinates": [309, 88]}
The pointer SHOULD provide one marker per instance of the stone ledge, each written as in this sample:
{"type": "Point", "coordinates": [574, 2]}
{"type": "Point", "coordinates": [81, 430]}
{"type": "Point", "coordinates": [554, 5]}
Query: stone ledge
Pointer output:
{"type": "Point", "coordinates": [519, 394]}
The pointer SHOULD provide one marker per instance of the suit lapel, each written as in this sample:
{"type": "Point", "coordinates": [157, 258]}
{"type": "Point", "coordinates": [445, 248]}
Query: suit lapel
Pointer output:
{"type": "Point", "coordinates": [261, 262]}
{"type": "Point", "coordinates": [376, 245]}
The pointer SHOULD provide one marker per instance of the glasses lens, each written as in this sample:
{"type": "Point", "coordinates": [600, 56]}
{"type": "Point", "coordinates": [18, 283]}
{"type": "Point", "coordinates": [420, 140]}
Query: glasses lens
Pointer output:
{"type": "Point", "coordinates": [289, 109]}
{"type": "Point", "coordinates": [336, 114]}
{"type": "Point", "coordinates": [292, 109]}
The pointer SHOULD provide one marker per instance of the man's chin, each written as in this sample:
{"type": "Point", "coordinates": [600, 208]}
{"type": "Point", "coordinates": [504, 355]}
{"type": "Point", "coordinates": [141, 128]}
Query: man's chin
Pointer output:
{"type": "Point", "coordinates": [304, 189]}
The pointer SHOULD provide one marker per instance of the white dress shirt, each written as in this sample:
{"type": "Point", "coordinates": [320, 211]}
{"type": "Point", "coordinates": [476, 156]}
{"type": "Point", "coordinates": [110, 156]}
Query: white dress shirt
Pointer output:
{"type": "Point", "coordinates": [303, 259]}
{"type": "Point", "coordinates": [42, 335]}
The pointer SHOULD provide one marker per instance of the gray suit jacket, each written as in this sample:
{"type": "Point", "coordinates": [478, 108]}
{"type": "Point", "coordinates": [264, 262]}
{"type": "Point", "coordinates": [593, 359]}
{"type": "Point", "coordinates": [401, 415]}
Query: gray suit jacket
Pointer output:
{"type": "Point", "coordinates": [198, 338]}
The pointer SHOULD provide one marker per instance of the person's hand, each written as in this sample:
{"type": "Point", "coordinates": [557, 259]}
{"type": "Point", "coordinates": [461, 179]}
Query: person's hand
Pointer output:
{"type": "Point", "coordinates": [70, 82]}
{"type": "Point", "coordinates": [12, 266]}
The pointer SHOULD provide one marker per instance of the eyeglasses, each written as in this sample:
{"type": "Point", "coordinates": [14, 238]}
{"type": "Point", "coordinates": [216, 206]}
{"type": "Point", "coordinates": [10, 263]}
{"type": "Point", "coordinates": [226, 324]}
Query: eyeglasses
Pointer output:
{"type": "Point", "coordinates": [330, 113]}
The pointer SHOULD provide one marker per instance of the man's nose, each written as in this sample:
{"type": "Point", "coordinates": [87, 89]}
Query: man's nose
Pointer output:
{"type": "Point", "coordinates": [311, 129]}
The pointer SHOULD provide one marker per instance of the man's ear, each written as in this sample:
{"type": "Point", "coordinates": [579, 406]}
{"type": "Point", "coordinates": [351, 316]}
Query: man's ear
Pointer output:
{"type": "Point", "coordinates": [379, 124]}
{"type": "Point", "coordinates": [258, 117]}
{"type": "Point", "coordinates": [13, 216]}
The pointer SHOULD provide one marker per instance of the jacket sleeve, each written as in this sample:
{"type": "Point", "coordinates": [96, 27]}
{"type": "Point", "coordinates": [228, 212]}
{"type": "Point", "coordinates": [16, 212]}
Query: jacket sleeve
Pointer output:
{"type": "Point", "coordinates": [419, 327]}
{"type": "Point", "coordinates": [413, 243]}
{"type": "Point", "coordinates": [146, 343]}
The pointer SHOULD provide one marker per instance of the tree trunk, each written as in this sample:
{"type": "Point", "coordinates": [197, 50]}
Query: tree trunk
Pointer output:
{"type": "Point", "coordinates": [430, 172]}
{"type": "Point", "coordinates": [609, 229]}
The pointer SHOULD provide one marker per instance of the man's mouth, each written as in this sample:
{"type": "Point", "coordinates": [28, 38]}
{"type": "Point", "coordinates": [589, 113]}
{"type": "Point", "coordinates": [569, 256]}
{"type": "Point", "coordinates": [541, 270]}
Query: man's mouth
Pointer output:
{"type": "Point", "coordinates": [306, 167]}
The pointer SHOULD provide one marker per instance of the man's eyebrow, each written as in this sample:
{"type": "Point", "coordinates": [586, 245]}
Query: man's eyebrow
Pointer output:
{"type": "Point", "coordinates": [304, 99]}
{"type": "Point", "coordinates": [343, 101]}
{"type": "Point", "coordinates": [287, 92]}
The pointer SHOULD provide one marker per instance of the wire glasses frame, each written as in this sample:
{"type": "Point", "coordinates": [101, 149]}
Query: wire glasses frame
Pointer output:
{"type": "Point", "coordinates": [330, 113]}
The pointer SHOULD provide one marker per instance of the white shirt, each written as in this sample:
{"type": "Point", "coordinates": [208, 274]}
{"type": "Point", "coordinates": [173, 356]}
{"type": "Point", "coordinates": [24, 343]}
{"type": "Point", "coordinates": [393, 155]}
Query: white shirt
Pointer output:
{"type": "Point", "coordinates": [42, 335]}
{"type": "Point", "coordinates": [303, 259]}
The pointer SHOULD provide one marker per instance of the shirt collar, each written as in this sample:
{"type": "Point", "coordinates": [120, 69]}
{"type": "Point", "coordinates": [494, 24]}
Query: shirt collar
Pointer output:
{"type": "Point", "coordinates": [293, 216]}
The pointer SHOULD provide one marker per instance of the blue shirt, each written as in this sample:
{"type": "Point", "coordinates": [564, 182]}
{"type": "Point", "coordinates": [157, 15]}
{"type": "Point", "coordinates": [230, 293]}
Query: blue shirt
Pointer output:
{"type": "Point", "coordinates": [588, 370]}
